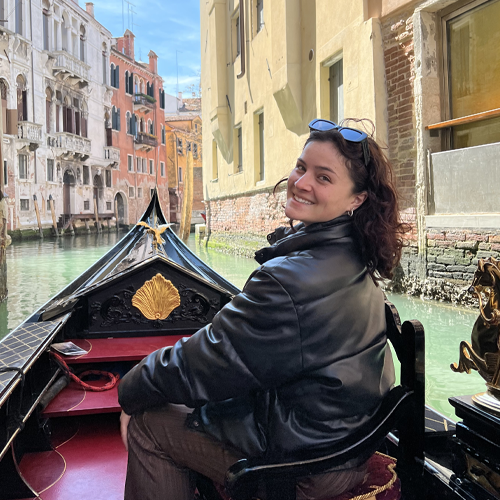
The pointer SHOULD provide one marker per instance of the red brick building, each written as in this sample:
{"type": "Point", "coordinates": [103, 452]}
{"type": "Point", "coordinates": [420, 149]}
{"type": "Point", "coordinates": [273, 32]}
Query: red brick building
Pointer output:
{"type": "Point", "coordinates": [136, 130]}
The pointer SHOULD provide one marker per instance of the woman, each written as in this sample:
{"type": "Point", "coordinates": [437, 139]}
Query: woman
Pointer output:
{"type": "Point", "coordinates": [299, 359]}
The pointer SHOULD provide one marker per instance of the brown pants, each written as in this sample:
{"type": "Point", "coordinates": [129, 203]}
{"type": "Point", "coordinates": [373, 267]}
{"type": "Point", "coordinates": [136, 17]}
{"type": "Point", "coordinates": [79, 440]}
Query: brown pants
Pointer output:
{"type": "Point", "coordinates": [164, 452]}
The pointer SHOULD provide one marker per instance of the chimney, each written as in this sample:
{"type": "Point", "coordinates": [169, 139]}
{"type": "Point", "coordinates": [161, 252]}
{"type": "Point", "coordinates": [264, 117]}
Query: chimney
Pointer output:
{"type": "Point", "coordinates": [153, 62]}
{"type": "Point", "coordinates": [89, 7]}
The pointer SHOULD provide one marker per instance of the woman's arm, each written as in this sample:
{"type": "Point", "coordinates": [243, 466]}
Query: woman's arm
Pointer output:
{"type": "Point", "coordinates": [253, 342]}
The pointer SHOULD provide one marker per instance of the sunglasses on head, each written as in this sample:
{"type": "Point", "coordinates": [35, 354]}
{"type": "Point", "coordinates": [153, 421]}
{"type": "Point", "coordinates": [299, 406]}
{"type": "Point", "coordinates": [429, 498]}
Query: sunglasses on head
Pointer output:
{"type": "Point", "coordinates": [349, 134]}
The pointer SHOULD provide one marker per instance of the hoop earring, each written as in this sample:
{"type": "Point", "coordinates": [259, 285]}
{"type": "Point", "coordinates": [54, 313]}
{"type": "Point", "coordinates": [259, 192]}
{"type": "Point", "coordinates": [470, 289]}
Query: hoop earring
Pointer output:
{"type": "Point", "coordinates": [350, 213]}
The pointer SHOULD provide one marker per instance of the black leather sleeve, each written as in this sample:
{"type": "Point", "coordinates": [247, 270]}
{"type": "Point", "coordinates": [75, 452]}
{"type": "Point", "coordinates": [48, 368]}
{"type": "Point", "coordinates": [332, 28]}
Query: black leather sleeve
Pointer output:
{"type": "Point", "coordinates": [253, 342]}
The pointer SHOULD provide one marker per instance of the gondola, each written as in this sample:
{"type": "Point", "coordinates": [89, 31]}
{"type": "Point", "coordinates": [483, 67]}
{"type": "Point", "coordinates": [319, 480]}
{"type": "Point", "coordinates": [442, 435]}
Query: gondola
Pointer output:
{"type": "Point", "coordinates": [60, 440]}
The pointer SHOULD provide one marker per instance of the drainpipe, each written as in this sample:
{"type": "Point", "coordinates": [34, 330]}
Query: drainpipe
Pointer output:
{"type": "Point", "coordinates": [242, 39]}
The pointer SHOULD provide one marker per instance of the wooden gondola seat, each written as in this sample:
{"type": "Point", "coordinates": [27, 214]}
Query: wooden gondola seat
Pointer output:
{"type": "Point", "coordinates": [401, 417]}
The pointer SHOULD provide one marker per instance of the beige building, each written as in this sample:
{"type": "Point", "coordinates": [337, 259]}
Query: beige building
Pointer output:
{"type": "Point", "coordinates": [268, 69]}
{"type": "Point", "coordinates": [425, 72]}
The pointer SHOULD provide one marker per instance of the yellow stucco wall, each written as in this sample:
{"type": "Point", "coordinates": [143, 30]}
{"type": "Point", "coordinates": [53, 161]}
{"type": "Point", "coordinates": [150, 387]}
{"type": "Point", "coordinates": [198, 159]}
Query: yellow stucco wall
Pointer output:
{"type": "Point", "coordinates": [286, 77]}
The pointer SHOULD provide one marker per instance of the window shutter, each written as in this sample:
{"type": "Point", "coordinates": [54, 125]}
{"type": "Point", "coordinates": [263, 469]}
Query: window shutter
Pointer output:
{"type": "Point", "coordinates": [118, 121]}
{"type": "Point", "coordinates": [131, 84]}
{"type": "Point", "coordinates": [117, 79]}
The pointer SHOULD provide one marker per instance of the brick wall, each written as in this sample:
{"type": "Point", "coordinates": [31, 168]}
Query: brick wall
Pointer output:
{"type": "Point", "coordinates": [399, 65]}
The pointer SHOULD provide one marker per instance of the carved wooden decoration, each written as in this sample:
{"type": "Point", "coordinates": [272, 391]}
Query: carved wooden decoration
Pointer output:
{"type": "Point", "coordinates": [157, 298]}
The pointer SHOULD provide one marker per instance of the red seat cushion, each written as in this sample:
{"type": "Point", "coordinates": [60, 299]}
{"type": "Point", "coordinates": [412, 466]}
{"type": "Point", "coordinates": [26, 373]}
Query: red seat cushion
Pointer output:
{"type": "Point", "coordinates": [381, 476]}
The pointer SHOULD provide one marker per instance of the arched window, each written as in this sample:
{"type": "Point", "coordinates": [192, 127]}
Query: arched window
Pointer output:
{"type": "Point", "coordinates": [22, 101]}
{"type": "Point", "coordinates": [59, 107]}
{"type": "Point", "coordinates": [77, 115]}
{"type": "Point", "coordinates": [141, 125]}
{"type": "Point", "coordinates": [115, 76]}
{"type": "Point", "coordinates": [82, 43]}
{"type": "Point", "coordinates": [129, 122]}
{"type": "Point", "coordinates": [48, 109]}
{"type": "Point", "coordinates": [115, 118]}
{"type": "Point", "coordinates": [162, 134]}
{"type": "Point", "coordinates": [84, 119]}
{"type": "Point", "coordinates": [136, 86]}
{"type": "Point", "coordinates": [104, 64]}
{"type": "Point", "coordinates": [67, 116]}
{"type": "Point", "coordinates": [4, 90]}
{"type": "Point", "coordinates": [45, 24]}
{"type": "Point", "coordinates": [151, 127]}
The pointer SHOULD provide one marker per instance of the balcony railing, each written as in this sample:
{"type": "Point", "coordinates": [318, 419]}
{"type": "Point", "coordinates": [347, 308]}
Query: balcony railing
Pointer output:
{"type": "Point", "coordinates": [143, 102]}
{"type": "Point", "coordinates": [68, 66]}
{"type": "Point", "coordinates": [30, 132]}
{"type": "Point", "coordinates": [112, 155]}
{"type": "Point", "coordinates": [146, 140]}
{"type": "Point", "coordinates": [70, 146]}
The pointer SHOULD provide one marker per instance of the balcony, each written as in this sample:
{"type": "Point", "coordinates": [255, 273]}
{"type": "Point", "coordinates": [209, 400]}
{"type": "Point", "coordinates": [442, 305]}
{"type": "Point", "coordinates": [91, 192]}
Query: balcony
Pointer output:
{"type": "Point", "coordinates": [69, 69]}
{"type": "Point", "coordinates": [144, 103]}
{"type": "Point", "coordinates": [112, 156]}
{"type": "Point", "coordinates": [145, 142]}
{"type": "Point", "coordinates": [70, 146]}
{"type": "Point", "coordinates": [29, 135]}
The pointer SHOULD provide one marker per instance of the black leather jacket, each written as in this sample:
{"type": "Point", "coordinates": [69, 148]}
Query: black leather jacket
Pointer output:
{"type": "Point", "coordinates": [296, 361]}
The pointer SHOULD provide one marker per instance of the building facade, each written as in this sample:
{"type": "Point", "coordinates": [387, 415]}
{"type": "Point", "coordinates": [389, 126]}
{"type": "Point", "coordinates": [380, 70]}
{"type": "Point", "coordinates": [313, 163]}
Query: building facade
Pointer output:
{"type": "Point", "coordinates": [54, 82]}
{"type": "Point", "coordinates": [137, 130]}
{"type": "Point", "coordinates": [184, 135]}
{"type": "Point", "coordinates": [424, 72]}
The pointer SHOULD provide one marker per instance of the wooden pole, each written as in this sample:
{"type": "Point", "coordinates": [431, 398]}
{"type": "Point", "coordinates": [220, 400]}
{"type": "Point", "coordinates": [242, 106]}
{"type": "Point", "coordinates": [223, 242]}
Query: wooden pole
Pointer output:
{"type": "Point", "coordinates": [96, 216]}
{"type": "Point", "coordinates": [116, 215]}
{"type": "Point", "coordinates": [37, 211]}
{"type": "Point", "coordinates": [53, 212]}
{"type": "Point", "coordinates": [3, 219]}
{"type": "Point", "coordinates": [187, 201]}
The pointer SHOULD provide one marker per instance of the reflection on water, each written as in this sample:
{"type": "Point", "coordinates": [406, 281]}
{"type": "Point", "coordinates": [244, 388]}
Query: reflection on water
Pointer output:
{"type": "Point", "coordinates": [37, 270]}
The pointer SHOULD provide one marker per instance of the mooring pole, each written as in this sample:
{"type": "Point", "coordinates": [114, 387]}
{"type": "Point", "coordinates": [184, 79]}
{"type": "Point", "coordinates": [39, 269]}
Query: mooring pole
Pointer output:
{"type": "Point", "coordinates": [37, 211]}
{"type": "Point", "coordinates": [96, 216]}
{"type": "Point", "coordinates": [3, 219]}
{"type": "Point", "coordinates": [53, 212]}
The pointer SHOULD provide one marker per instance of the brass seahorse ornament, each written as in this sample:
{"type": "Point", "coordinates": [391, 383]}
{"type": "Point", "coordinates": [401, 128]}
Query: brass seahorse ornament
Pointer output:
{"type": "Point", "coordinates": [155, 232]}
{"type": "Point", "coordinates": [483, 353]}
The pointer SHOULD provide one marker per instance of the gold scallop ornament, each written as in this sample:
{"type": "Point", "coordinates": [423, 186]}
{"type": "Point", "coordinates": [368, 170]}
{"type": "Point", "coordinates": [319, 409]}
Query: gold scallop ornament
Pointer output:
{"type": "Point", "coordinates": [157, 298]}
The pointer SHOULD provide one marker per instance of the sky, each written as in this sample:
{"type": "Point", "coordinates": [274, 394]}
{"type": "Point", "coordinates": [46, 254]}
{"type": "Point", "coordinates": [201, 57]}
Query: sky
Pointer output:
{"type": "Point", "coordinates": [169, 28]}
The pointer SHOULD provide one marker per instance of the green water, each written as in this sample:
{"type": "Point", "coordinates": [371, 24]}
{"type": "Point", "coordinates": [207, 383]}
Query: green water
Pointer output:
{"type": "Point", "coordinates": [37, 270]}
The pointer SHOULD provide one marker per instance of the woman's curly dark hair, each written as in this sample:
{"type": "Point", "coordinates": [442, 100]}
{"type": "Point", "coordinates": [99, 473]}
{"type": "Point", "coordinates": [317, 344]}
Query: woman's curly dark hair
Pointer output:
{"type": "Point", "coordinates": [377, 223]}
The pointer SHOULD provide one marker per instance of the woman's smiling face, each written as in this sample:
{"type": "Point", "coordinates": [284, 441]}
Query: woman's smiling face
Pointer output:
{"type": "Point", "coordinates": [319, 188]}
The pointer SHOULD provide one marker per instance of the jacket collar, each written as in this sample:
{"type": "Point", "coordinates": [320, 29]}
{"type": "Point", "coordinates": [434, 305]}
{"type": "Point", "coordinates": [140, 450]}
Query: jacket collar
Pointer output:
{"type": "Point", "coordinates": [283, 241]}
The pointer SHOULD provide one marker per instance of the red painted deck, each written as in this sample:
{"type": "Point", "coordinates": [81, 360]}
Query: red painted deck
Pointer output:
{"type": "Point", "coordinates": [73, 400]}
{"type": "Point", "coordinates": [120, 349]}
{"type": "Point", "coordinates": [89, 464]}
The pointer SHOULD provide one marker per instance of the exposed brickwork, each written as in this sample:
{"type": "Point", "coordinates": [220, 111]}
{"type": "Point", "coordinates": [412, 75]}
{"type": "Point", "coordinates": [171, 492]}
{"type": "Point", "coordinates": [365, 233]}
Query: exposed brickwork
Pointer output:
{"type": "Point", "coordinates": [256, 214]}
{"type": "Point", "coordinates": [399, 66]}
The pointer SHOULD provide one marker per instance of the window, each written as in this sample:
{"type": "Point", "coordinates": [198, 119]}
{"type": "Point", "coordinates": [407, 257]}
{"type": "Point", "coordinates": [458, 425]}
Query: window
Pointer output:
{"type": "Point", "coordinates": [86, 175]}
{"type": "Point", "coordinates": [179, 146]}
{"type": "Point", "coordinates": [24, 204]}
{"type": "Point", "coordinates": [336, 92]}
{"type": "Point", "coordinates": [48, 108]}
{"type": "Point", "coordinates": [162, 169]}
{"type": "Point", "coordinates": [48, 206]}
{"type": "Point", "coordinates": [139, 192]}
{"type": "Point", "coordinates": [22, 98]}
{"type": "Point", "coordinates": [144, 165]}
{"type": "Point", "coordinates": [259, 153]}
{"type": "Point", "coordinates": [115, 76]}
{"type": "Point", "coordinates": [82, 43]}
{"type": "Point", "coordinates": [188, 147]}
{"type": "Point", "coordinates": [108, 178]}
{"type": "Point", "coordinates": [50, 169]}
{"type": "Point", "coordinates": [115, 119]}
{"type": "Point", "coordinates": [260, 15]}
{"type": "Point", "coordinates": [19, 19]}
{"type": "Point", "coordinates": [129, 83]}
{"type": "Point", "coordinates": [162, 134]}
{"type": "Point", "coordinates": [139, 164]}
{"type": "Point", "coordinates": [162, 98]}
{"type": "Point", "coordinates": [108, 206]}
{"type": "Point", "coordinates": [131, 192]}
{"type": "Point", "coordinates": [473, 71]}
{"type": "Point", "coordinates": [215, 164]}
{"type": "Point", "coordinates": [151, 127]}
{"type": "Point", "coordinates": [45, 29]}
{"type": "Point", "coordinates": [104, 64]}
{"type": "Point", "coordinates": [86, 205]}
{"type": "Point", "coordinates": [180, 174]}
{"type": "Point", "coordinates": [5, 173]}
{"type": "Point", "coordinates": [23, 166]}
{"type": "Point", "coordinates": [195, 150]}
{"type": "Point", "coordinates": [130, 161]}
{"type": "Point", "coordinates": [238, 150]}
{"type": "Point", "coordinates": [151, 167]}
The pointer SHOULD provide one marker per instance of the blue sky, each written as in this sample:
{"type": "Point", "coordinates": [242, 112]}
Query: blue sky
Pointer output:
{"type": "Point", "coordinates": [164, 26]}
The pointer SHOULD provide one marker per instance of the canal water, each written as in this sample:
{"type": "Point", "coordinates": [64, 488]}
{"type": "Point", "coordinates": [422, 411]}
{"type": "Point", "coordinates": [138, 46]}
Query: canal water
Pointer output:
{"type": "Point", "coordinates": [37, 270]}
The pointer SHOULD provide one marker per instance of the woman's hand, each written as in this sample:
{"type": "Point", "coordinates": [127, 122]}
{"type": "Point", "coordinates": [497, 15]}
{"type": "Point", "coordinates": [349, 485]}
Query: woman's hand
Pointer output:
{"type": "Point", "coordinates": [124, 420]}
